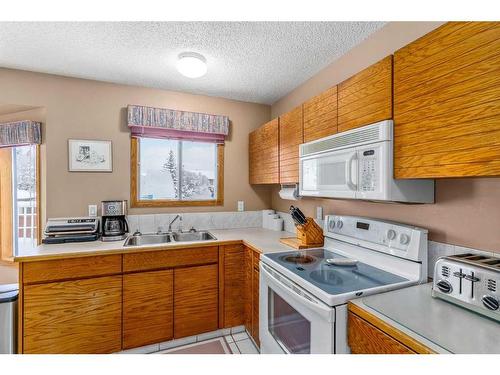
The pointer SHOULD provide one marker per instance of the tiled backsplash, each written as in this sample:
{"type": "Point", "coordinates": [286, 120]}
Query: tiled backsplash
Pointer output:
{"type": "Point", "coordinates": [200, 221]}
{"type": "Point", "coordinates": [288, 224]}
{"type": "Point", "coordinates": [253, 219]}
{"type": "Point", "coordinates": [439, 249]}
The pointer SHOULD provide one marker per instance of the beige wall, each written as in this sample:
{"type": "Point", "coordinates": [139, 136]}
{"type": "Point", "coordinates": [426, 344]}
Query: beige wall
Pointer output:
{"type": "Point", "coordinates": [466, 212]}
{"type": "Point", "coordinates": [84, 109]}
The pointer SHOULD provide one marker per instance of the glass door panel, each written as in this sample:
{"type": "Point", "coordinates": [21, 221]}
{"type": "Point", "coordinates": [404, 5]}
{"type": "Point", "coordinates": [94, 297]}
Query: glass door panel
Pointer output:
{"type": "Point", "coordinates": [288, 327]}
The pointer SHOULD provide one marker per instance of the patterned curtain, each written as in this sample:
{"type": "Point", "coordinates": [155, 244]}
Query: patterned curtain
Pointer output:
{"type": "Point", "coordinates": [20, 133]}
{"type": "Point", "coordinates": [168, 123]}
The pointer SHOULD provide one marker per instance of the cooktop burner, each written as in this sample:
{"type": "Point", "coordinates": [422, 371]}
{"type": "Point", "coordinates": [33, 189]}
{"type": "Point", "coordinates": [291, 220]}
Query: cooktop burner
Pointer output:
{"type": "Point", "coordinates": [317, 266]}
{"type": "Point", "coordinates": [298, 258]}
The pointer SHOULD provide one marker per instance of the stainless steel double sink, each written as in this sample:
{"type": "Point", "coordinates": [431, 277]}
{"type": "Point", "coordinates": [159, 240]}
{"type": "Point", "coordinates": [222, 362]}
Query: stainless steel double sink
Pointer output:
{"type": "Point", "coordinates": [164, 238]}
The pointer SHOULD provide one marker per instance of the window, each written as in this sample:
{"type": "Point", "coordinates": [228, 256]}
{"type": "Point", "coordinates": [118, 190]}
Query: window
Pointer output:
{"type": "Point", "coordinates": [169, 172]}
{"type": "Point", "coordinates": [19, 201]}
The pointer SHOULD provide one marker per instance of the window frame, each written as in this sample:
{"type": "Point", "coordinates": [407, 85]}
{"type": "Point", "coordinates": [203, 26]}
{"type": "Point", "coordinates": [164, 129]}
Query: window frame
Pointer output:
{"type": "Point", "coordinates": [6, 206]}
{"type": "Point", "coordinates": [135, 202]}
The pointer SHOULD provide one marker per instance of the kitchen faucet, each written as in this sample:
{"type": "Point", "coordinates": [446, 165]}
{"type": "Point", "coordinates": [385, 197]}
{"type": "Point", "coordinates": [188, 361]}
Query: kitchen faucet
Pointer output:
{"type": "Point", "coordinates": [173, 221]}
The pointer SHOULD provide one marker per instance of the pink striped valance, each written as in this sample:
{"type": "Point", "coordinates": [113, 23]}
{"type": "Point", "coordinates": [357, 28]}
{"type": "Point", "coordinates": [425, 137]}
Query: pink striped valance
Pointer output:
{"type": "Point", "coordinates": [168, 123]}
{"type": "Point", "coordinates": [20, 133]}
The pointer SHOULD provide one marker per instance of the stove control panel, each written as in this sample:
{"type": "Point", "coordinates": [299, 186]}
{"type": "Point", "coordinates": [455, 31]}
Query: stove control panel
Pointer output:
{"type": "Point", "coordinates": [389, 237]}
{"type": "Point", "coordinates": [471, 281]}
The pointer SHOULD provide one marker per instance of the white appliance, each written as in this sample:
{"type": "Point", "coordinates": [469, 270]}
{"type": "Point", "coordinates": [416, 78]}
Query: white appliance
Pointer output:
{"type": "Point", "coordinates": [304, 294]}
{"type": "Point", "coordinates": [358, 164]}
{"type": "Point", "coordinates": [470, 281]}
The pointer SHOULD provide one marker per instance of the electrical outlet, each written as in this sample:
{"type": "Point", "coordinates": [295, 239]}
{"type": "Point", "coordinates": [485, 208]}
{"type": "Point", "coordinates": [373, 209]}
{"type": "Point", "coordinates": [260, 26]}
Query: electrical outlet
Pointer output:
{"type": "Point", "coordinates": [241, 206]}
{"type": "Point", "coordinates": [93, 210]}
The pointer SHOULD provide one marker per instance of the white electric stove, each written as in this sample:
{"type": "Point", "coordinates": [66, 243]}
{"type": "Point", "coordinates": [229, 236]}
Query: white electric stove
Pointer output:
{"type": "Point", "coordinates": [304, 294]}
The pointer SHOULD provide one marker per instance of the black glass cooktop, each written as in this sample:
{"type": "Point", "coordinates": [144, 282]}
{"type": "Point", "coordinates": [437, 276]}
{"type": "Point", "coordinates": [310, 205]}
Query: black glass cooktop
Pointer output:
{"type": "Point", "coordinates": [311, 265]}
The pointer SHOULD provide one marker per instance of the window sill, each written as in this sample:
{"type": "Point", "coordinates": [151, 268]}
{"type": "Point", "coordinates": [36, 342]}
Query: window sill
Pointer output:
{"type": "Point", "coordinates": [171, 203]}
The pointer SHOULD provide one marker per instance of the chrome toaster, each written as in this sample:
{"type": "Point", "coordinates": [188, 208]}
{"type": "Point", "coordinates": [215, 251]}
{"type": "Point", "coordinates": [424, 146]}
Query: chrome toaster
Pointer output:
{"type": "Point", "coordinates": [471, 281]}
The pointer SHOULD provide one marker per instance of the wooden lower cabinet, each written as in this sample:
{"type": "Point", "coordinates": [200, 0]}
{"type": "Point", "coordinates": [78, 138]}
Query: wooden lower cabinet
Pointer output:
{"type": "Point", "coordinates": [232, 257]}
{"type": "Point", "coordinates": [365, 338]}
{"type": "Point", "coordinates": [196, 301]}
{"type": "Point", "coordinates": [368, 334]}
{"type": "Point", "coordinates": [255, 305]}
{"type": "Point", "coordinates": [252, 285]}
{"type": "Point", "coordinates": [148, 308]}
{"type": "Point", "coordinates": [138, 304]}
{"type": "Point", "coordinates": [248, 289]}
{"type": "Point", "coordinates": [78, 316]}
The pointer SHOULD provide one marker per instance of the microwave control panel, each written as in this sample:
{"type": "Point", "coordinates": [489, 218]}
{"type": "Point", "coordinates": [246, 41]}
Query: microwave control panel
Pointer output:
{"type": "Point", "coordinates": [368, 163]}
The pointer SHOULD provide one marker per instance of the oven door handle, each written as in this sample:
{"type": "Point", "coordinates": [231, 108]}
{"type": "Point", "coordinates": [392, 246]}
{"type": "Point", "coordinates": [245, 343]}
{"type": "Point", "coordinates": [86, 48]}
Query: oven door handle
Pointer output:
{"type": "Point", "coordinates": [313, 304]}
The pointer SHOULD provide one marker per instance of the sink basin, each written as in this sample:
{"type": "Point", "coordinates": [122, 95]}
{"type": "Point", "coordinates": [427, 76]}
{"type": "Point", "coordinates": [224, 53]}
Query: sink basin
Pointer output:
{"type": "Point", "coordinates": [193, 236]}
{"type": "Point", "coordinates": [148, 239]}
{"type": "Point", "coordinates": [155, 239]}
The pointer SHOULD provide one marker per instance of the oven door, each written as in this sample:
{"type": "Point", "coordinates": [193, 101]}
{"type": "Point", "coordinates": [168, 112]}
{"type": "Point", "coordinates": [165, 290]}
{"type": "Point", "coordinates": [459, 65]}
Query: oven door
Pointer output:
{"type": "Point", "coordinates": [331, 175]}
{"type": "Point", "coordinates": [291, 320]}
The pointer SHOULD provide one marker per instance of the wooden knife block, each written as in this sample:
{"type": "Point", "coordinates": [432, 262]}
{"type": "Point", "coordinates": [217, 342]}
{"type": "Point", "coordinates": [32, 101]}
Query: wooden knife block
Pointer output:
{"type": "Point", "coordinates": [308, 235]}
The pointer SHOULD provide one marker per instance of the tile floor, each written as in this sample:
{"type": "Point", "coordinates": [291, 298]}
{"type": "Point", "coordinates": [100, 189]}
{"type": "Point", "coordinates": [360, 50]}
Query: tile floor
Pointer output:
{"type": "Point", "coordinates": [240, 343]}
{"type": "Point", "coordinates": [212, 346]}
{"type": "Point", "coordinates": [223, 341]}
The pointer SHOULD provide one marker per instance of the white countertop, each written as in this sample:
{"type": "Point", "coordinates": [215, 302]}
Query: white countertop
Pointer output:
{"type": "Point", "coordinates": [439, 325]}
{"type": "Point", "coordinates": [264, 240]}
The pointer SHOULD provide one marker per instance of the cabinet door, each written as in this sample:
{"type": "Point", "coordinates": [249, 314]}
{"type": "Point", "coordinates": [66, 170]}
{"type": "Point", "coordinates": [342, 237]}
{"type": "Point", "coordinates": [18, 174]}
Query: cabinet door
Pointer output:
{"type": "Point", "coordinates": [147, 308]}
{"type": "Point", "coordinates": [320, 115]}
{"type": "Point", "coordinates": [364, 338]}
{"type": "Point", "coordinates": [233, 285]}
{"type": "Point", "coordinates": [248, 289]}
{"type": "Point", "coordinates": [264, 154]}
{"type": "Point", "coordinates": [255, 304]}
{"type": "Point", "coordinates": [446, 103]}
{"type": "Point", "coordinates": [78, 316]}
{"type": "Point", "coordinates": [366, 97]}
{"type": "Point", "coordinates": [291, 136]}
{"type": "Point", "coordinates": [195, 300]}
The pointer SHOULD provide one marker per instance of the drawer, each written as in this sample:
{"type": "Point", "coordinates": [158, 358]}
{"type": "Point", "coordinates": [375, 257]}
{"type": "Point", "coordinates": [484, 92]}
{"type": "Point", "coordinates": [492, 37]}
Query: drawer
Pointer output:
{"type": "Point", "coordinates": [73, 268]}
{"type": "Point", "coordinates": [170, 258]}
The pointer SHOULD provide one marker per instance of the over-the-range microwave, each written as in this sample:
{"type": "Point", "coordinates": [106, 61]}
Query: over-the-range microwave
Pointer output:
{"type": "Point", "coordinates": [358, 164]}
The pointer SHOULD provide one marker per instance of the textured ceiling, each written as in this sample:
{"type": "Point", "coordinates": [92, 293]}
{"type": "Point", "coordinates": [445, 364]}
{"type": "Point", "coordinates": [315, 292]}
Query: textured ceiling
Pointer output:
{"type": "Point", "coordinates": [250, 61]}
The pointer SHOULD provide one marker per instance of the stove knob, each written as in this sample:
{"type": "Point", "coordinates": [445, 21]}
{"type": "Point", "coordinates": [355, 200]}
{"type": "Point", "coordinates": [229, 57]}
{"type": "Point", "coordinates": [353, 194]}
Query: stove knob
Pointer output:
{"type": "Point", "coordinates": [444, 286]}
{"type": "Point", "coordinates": [331, 224]}
{"type": "Point", "coordinates": [340, 224]}
{"type": "Point", "coordinates": [404, 239]}
{"type": "Point", "coordinates": [390, 234]}
{"type": "Point", "coordinates": [491, 303]}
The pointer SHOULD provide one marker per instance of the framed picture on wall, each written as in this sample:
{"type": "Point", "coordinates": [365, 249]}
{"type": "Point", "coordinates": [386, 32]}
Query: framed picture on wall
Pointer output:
{"type": "Point", "coordinates": [89, 156]}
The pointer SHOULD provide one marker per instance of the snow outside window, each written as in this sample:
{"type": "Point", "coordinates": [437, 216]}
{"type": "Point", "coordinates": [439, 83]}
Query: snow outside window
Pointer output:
{"type": "Point", "coordinates": [177, 170]}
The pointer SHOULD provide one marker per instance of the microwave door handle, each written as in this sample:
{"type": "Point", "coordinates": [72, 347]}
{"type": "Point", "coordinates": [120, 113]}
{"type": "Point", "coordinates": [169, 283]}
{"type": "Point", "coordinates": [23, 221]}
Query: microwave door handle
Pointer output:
{"type": "Point", "coordinates": [348, 172]}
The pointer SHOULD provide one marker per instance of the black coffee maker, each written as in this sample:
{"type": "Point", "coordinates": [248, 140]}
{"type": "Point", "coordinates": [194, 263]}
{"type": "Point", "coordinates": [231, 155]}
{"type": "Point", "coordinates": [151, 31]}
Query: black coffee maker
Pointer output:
{"type": "Point", "coordinates": [114, 222]}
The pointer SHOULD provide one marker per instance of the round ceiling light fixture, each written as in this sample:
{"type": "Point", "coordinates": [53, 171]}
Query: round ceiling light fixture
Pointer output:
{"type": "Point", "coordinates": [192, 65]}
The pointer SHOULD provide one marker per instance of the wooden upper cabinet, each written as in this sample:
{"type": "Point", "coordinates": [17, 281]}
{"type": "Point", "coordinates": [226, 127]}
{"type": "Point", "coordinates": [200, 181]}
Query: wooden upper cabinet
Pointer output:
{"type": "Point", "coordinates": [447, 103]}
{"type": "Point", "coordinates": [366, 97]}
{"type": "Point", "coordinates": [78, 317]}
{"type": "Point", "coordinates": [291, 136]}
{"type": "Point", "coordinates": [148, 308]}
{"type": "Point", "coordinates": [263, 154]}
{"type": "Point", "coordinates": [320, 115]}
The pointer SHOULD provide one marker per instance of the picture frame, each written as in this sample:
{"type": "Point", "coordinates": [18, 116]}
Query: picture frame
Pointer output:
{"type": "Point", "coordinates": [86, 155]}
